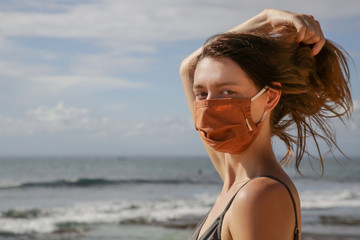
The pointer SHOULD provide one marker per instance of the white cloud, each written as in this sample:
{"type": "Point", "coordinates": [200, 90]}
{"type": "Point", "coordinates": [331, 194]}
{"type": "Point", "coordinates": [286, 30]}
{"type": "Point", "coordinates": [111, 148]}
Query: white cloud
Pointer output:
{"type": "Point", "coordinates": [109, 63]}
{"type": "Point", "coordinates": [58, 119]}
{"type": "Point", "coordinates": [158, 20]}
{"type": "Point", "coordinates": [14, 127]}
{"type": "Point", "coordinates": [123, 28]}
{"type": "Point", "coordinates": [62, 119]}
{"type": "Point", "coordinates": [166, 124]}
{"type": "Point", "coordinates": [47, 119]}
{"type": "Point", "coordinates": [23, 71]}
{"type": "Point", "coordinates": [36, 5]}
{"type": "Point", "coordinates": [354, 122]}
{"type": "Point", "coordinates": [59, 113]}
{"type": "Point", "coordinates": [356, 105]}
{"type": "Point", "coordinates": [58, 83]}
{"type": "Point", "coordinates": [42, 78]}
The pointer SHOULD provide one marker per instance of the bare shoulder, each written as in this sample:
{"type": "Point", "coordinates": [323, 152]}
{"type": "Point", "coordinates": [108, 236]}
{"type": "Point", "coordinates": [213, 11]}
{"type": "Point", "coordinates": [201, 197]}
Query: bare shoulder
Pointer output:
{"type": "Point", "coordinates": [263, 209]}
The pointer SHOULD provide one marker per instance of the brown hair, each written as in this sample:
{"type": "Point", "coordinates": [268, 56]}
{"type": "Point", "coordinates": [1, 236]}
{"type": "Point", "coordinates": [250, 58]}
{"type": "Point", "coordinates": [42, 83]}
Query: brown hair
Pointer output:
{"type": "Point", "coordinates": [313, 88]}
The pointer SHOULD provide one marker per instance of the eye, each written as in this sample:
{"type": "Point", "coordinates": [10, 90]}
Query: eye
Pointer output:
{"type": "Point", "coordinates": [200, 95]}
{"type": "Point", "coordinates": [228, 92]}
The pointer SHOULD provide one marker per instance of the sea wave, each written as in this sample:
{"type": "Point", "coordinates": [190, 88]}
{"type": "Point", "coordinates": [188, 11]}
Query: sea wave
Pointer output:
{"type": "Point", "coordinates": [91, 182]}
{"type": "Point", "coordinates": [22, 214]}
{"type": "Point", "coordinates": [78, 218]}
{"type": "Point", "coordinates": [84, 216]}
{"type": "Point", "coordinates": [328, 199]}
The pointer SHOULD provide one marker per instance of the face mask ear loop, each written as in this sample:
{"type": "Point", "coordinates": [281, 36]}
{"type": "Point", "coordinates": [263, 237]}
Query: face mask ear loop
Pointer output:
{"type": "Point", "coordinates": [263, 117]}
{"type": "Point", "coordinates": [260, 93]}
{"type": "Point", "coordinates": [252, 99]}
{"type": "Point", "coordinates": [248, 125]}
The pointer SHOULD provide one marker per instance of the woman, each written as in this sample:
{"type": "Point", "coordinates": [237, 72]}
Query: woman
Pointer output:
{"type": "Point", "coordinates": [242, 89]}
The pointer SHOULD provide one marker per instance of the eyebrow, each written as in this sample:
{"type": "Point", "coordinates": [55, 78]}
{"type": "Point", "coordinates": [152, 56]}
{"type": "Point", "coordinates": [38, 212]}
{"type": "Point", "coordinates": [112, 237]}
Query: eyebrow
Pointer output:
{"type": "Point", "coordinates": [197, 86]}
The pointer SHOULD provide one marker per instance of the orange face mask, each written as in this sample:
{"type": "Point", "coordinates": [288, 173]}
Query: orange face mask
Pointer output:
{"type": "Point", "coordinates": [226, 124]}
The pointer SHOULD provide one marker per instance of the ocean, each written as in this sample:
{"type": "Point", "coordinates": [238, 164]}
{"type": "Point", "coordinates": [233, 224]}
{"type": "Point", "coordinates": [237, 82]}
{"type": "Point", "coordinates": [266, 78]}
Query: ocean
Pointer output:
{"type": "Point", "coordinates": [148, 198]}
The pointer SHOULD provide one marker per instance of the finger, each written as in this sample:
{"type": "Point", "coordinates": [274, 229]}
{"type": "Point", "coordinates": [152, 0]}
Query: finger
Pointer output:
{"type": "Point", "coordinates": [310, 36]}
{"type": "Point", "coordinates": [300, 28]}
{"type": "Point", "coordinates": [317, 38]}
{"type": "Point", "coordinates": [304, 27]}
{"type": "Point", "coordinates": [301, 31]}
{"type": "Point", "coordinates": [318, 46]}
{"type": "Point", "coordinates": [313, 33]}
{"type": "Point", "coordinates": [313, 30]}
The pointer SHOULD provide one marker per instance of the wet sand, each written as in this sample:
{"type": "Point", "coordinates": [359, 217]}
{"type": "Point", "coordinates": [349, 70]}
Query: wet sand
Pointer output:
{"type": "Point", "coordinates": [189, 223]}
{"type": "Point", "coordinates": [314, 236]}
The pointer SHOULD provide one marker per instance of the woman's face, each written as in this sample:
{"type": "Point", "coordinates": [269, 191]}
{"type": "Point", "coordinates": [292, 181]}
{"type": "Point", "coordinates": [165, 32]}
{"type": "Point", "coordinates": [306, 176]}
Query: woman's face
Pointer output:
{"type": "Point", "coordinates": [217, 78]}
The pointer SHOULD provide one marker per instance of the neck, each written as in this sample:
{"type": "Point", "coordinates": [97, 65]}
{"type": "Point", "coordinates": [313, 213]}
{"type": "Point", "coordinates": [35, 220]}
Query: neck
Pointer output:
{"type": "Point", "coordinates": [257, 159]}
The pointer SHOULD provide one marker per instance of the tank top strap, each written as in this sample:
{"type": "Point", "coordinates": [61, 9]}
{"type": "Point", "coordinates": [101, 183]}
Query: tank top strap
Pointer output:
{"type": "Point", "coordinates": [296, 230]}
{"type": "Point", "coordinates": [232, 199]}
{"type": "Point", "coordinates": [214, 230]}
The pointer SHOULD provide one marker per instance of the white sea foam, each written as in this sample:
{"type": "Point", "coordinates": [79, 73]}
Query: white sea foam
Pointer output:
{"type": "Point", "coordinates": [323, 195]}
{"type": "Point", "coordinates": [107, 212]}
{"type": "Point", "coordinates": [8, 184]}
{"type": "Point", "coordinates": [115, 211]}
{"type": "Point", "coordinates": [329, 199]}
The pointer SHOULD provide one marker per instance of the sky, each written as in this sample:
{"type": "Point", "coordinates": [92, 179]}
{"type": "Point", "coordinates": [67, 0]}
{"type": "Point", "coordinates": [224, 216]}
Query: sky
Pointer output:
{"type": "Point", "coordinates": [100, 77]}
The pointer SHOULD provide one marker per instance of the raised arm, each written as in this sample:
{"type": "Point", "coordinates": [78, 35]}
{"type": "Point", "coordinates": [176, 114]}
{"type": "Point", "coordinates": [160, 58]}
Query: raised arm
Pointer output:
{"type": "Point", "coordinates": [309, 32]}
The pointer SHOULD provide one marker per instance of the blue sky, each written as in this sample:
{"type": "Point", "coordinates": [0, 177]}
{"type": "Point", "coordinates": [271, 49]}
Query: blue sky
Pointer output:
{"type": "Point", "coordinates": [100, 77]}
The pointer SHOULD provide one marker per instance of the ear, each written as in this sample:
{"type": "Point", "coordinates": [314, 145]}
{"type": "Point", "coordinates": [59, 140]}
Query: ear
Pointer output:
{"type": "Point", "coordinates": [273, 97]}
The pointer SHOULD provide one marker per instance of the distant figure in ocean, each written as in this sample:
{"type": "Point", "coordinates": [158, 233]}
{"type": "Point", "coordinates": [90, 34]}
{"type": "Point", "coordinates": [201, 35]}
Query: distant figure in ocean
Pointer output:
{"type": "Point", "coordinates": [274, 75]}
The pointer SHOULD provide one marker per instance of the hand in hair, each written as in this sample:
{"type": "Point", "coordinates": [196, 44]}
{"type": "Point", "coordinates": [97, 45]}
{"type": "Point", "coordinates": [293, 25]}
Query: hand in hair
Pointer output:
{"type": "Point", "coordinates": [309, 30]}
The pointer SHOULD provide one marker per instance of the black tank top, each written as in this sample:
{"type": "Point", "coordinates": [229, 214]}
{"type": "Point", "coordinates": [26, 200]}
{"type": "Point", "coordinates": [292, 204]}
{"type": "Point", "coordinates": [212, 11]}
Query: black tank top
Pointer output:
{"type": "Point", "coordinates": [214, 231]}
